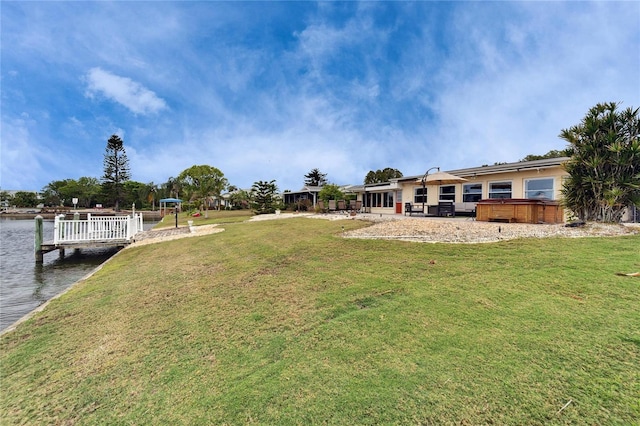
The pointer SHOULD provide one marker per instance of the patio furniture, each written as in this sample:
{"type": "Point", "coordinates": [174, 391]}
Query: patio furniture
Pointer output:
{"type": "Point", "coordinates": [332, 205]}
{"type": "Point", "coordinates": [342, 206]}
{"type": "Point", "coordinates": [355, 205]}
{"type": "Point", "coordinates": [411, 209]}
{"type": "Point", "coordinates": [446, 208]}
{"type": "Point", "coordinates": [463, 208]}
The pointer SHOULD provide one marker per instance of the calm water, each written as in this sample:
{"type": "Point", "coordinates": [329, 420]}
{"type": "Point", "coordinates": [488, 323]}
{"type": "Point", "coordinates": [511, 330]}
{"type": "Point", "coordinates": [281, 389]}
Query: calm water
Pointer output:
{"type": "Point", "coordinates": [24, 285]}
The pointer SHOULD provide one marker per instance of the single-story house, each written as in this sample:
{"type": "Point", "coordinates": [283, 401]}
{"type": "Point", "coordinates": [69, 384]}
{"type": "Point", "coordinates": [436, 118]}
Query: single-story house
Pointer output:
{"type": "Point", "coordinates": [532, 180]}
{"type": "Point", "coordinates": [306, 193]}
{"type": "Point", "coordinates": [311, 193]}
{"type": "Point", "coordinates": [539, 179]}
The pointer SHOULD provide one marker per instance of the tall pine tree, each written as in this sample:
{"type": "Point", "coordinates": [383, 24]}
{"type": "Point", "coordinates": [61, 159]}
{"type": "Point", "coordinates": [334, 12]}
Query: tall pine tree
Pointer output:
{"type": "Point", "coordinates": [116, 170]}
{"type": "Point", "coordinates": [315, 178]}
{"type": "Point", "coordinates": [265, 197]}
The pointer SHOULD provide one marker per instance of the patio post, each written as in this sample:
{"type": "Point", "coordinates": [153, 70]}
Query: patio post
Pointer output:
{"type": "Point", "coordinates": [424, 185]}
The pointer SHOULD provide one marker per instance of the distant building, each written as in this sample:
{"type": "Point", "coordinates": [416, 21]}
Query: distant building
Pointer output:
{"type": "Point", "coordinates": [306, 193]}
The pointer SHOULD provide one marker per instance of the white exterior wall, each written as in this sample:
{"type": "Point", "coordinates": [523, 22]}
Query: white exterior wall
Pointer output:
{"type": "Point", "coordinates": [517, 180]}
{"type": "Point", "coordinates": [391, 187]}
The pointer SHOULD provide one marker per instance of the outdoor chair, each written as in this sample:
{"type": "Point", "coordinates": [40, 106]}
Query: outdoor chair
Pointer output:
{"type": "Point", "coordinates": [358, 206]}
{"type": "Point", "coordinates": [411, 209]}
{"type": "Point", "coordinates": [352, 205]}
{"type": "Point", "coordinates": [446, 208]}
{"type": "Point", "coordinates": [332, 205]}
{"type": "Point", "coordinates": [342, 206]}
{"type": "Point", "coordinates": [473, 215]}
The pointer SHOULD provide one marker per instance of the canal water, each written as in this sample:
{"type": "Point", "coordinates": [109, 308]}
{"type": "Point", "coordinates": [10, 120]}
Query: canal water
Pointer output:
{"type": "Point", "coordinates": [25, 285]}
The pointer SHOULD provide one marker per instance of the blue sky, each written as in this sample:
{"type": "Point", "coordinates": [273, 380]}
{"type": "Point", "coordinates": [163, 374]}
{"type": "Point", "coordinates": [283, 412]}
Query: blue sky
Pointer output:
{"type": "Point", "coordinates": [271, 90]}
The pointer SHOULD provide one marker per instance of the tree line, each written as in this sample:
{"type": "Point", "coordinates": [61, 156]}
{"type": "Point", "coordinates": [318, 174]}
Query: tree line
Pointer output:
{"type": "Point", "coordinates": [603, 169]}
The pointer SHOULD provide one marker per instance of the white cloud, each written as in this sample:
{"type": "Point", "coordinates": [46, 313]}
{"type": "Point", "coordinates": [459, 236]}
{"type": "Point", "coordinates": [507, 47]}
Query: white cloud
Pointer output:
{"type": "Point", "coordinates": [498, 92]}
{"type": "Point", "coordinates": [22, 158]}
{"type": "Point", "coordinates": [123, 90]}
{"type": "Point", "coordinates": [346, 88]}
{"type": "Point", "coordinates": [509, 96]}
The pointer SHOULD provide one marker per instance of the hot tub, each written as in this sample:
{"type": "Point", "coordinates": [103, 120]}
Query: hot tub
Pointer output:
{"type": "Point", "coordinates": [519, 210]}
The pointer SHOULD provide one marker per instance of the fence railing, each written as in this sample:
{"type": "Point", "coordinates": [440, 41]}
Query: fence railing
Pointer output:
{"type": "Point", "coordinates": [100, 228]}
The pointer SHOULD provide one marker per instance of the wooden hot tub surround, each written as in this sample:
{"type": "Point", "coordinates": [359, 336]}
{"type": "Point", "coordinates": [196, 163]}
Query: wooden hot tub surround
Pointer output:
{"type": "Point", "coordinates": [519, 210]}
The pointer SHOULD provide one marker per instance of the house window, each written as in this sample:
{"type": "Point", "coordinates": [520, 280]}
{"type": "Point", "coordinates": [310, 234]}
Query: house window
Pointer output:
{"type": "Point", "coordinates": [448, 193]}
{"type": "Point", "coordinates": [472, 192]}
{"type": "Point", "coordinates": [539, 188]}
{"type": "Point", "coordinates": [419, 195]}
{"type": "Point", "coordinates": [376, 199]}
{"type": "Point", "coordinates": [388, 199]}
{"type": "Point", "coordinates": [500, 190]}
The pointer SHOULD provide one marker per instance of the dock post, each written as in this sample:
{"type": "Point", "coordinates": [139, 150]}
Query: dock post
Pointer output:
{"type": "Point", "coordinates": [38, 239]}
{"type": "Point", "coordinates": [76, 221]}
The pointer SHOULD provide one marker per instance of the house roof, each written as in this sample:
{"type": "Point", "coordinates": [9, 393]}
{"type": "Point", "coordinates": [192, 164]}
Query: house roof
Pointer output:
{"type": "Point", "coordinates": [305, 190]}
{"type": "Point", "coordinates": [316, 189]}
{"type": "Point", "coordinates": [500, 168]}
{"type": "Point", "coordinates": [375, 187]}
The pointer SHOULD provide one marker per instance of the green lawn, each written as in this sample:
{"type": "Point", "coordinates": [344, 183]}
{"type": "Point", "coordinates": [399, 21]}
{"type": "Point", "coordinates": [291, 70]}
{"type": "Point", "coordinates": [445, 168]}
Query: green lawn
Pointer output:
{"type": "Point", "coordinates": [205, 218]}
{"type": "Point", "coordinates": [286, 323]}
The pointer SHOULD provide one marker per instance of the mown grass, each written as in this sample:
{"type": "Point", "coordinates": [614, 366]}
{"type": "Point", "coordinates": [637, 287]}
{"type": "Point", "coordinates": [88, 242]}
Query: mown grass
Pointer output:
{"type": "Point", "coordinates": [284, 322]}
{"type": "Point", "coordinates": [205, 218]}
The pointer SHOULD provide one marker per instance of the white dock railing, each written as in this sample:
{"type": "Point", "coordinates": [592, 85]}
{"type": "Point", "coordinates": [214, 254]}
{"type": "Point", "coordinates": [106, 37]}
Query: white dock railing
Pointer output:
{"type": "Point", "coordinates": [101, 228]}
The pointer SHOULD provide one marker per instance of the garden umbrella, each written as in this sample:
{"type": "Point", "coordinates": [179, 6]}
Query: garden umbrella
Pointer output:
{"type": "Point", "coordinates": [441, 178]}
{"type": "Point", "coordinates": [438, 178]}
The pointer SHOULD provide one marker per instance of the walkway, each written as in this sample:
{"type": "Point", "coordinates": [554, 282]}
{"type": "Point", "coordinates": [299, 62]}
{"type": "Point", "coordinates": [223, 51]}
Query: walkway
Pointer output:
{"type": "Point", "coordinates": [167, 234]}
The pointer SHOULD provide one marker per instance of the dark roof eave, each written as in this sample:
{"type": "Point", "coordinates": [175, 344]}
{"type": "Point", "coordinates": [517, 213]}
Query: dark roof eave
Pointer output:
{"type": "Point", "coordinates": [500, 168]}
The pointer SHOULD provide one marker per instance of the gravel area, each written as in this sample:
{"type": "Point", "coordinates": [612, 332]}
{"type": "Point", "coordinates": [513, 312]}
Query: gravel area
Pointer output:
{"type": "Point", "coordinates": [459, 229]}
{"type": "Point", "coordinates": [469, 231]}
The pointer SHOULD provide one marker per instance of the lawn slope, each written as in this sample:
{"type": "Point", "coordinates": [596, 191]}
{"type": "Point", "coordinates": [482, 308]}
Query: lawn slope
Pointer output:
{"type": "Point", "coordinates": [285, 322]}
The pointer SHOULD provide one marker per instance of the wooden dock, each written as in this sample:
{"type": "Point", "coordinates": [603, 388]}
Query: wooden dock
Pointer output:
{"type": "Point", "coordinates": [92, 232]}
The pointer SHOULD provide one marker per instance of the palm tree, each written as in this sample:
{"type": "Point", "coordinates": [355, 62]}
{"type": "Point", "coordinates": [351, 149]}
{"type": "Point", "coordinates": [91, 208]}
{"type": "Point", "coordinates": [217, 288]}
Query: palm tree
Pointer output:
{"type": "Point", "coordinates": [604, 169]}
{"type": "Point", "coordinates": [148, 193]}
{"type": "Point", "coordinates": [175, 186]}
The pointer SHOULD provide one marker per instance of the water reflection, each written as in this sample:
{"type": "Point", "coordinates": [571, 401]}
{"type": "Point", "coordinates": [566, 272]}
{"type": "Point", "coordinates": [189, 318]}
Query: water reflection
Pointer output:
{"type": "Point", "coordinates": [24, 284]}
{"type": "Point", "coordinates": [56, 273]}
{"type": "Point", "coordinates": [38, 277]}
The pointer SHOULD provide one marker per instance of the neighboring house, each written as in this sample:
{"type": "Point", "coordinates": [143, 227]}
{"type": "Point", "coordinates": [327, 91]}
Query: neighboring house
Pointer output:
{"type": "Point", "coordinates": [527, 179]}
{"type": "Point", "coordinates": [311, 193]}
{"type": "Point", "coordinates": [224, 202]}
{"type": "Point", "coordinates": [306, 193]}
{"type": "Point", "coordinates": [5, 205]}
